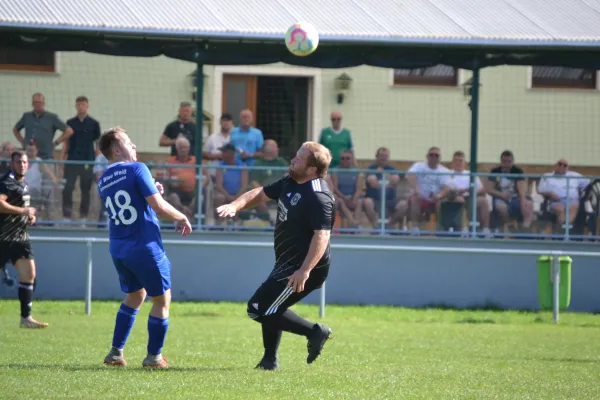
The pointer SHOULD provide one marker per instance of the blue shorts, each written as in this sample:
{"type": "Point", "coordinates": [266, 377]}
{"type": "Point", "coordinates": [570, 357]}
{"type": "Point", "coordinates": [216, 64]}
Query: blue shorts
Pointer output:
{"type": "Point", "coordinates": [513, 205]}
{"type": "Point", "coordinates": [144, 271]}
{"type": "Point", "coordinates": [565, 203]}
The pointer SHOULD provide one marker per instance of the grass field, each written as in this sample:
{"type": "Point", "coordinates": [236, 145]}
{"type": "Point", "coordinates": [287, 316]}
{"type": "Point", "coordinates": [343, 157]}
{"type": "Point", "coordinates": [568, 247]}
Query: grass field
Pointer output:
{"type": "Point", "coordinates": [377, 353]}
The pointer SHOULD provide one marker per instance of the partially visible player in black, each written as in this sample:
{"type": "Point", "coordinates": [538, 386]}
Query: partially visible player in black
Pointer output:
{"type": "Point", "coordinates": [305, 217]}
{"type": "Point", "coordinates": [15, 246]}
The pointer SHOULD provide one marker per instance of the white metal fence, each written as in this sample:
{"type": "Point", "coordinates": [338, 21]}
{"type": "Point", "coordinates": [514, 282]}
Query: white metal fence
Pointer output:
{"type": "Point", "coordinates": [355, 247]}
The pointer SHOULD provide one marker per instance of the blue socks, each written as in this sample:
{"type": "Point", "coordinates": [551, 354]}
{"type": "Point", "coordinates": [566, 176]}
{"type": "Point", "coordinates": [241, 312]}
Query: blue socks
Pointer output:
{"type": "Point", "coordinates": [157, 331]}
{"type": "Point", "coordinates": [123, 325]}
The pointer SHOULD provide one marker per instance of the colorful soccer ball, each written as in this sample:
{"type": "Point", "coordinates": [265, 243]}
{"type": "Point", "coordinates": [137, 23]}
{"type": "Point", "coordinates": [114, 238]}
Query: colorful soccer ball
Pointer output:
{"type": "Point", "coordinates": [302, 39]}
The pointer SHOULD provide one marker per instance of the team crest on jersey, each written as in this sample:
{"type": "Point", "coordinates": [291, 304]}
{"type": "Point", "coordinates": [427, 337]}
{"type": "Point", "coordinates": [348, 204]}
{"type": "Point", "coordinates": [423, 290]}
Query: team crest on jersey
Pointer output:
{"type": "Point", "coordinates": [295, 199]}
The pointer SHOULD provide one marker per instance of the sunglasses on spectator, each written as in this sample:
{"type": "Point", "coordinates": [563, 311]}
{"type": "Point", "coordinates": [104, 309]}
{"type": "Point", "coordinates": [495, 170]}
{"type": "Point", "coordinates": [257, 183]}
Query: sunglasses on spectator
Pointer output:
{"type": "Point", "coordinates": [436, 155]}
{"type": "Point", "coordinates": [345, 158]}
{"type": "Point", "coordinates": [562, 164]}
{"type": "Point", "coordinates": [336, 119]}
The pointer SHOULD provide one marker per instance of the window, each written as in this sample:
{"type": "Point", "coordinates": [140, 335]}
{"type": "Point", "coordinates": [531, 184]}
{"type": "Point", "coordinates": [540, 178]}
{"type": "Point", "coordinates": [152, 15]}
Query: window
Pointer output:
{"type": "Point", "coordinates": [438, 75]}
{"type": "Point", "coordinates": [562, 77]}
{"type": "Point", "coordinates": [27, 60]}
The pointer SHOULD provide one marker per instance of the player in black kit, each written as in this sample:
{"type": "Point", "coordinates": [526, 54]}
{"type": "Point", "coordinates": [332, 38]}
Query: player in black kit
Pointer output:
{"type": "Point", "coordinates": [305, 217]}
{"type": "Point", "coordinates": [15, 246]}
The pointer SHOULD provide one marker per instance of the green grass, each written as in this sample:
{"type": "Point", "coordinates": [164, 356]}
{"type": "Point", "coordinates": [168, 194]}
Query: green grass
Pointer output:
{"type": "Point", "coordinates": [377, 353]}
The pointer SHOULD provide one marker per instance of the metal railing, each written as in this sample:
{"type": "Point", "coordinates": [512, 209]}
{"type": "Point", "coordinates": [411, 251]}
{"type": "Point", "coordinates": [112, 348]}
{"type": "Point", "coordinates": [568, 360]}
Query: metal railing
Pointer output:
{"type": "Point", "coordinates": [353, 247]}
{"type": "Point", "coordinates": [201, 209]}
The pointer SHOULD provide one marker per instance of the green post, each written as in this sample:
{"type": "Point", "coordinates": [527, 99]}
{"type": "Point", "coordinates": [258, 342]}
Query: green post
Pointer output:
{"type": "Point", "coordinates": [198, 140]}
{"type": "Point", "coordinates": [473, 156]}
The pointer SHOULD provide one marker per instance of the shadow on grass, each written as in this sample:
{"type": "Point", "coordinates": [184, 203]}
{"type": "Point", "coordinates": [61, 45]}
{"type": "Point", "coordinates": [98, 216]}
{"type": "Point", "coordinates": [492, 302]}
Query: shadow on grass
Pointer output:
{"type": "Point", "coordinates": [98, 368]}
{"type": "Point", "coordinates": [476, 321]}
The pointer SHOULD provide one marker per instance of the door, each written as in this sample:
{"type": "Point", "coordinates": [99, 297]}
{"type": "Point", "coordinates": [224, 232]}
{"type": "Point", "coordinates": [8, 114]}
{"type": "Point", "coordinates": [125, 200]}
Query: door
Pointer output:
{"type": "Point", "coordinates": [239, 93]}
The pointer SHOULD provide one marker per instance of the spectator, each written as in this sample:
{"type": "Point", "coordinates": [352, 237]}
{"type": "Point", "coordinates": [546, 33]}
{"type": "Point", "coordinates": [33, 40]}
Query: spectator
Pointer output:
{"type": "Point", "coordinates": [348, 189]}
{"type": "Point", "coordinates": [42, 125]}
{"type": "Point", "coordinates": [510, 193]}
{"type": "Point", "coordinates": [456, 190]}
{"type": "Point", "coordinates": [336, 138]}
{"type": "Point", "coordinates": [264, 177]}
{"type": "Point", "coordinates": [182, 126]}
{"type": "Point", "coordinates": [561, 192]}
{"type": "Point", "coordinates": [216, 141]}
{"type": "Point", "coordinates": [182, 180]}
{"type": "Point", "coordinates": [229, 182]}
{"type": "Point", "coordinates": [248, 140]}
{"type": "Point", "coordinates": [426, 184]}
{"type": "Point", "coordinates": [41, 181]}
{"type": "Point", "coordinates": [80, 147]}
{"type": "Point", "coordinates": [395, 211]}
{"type": "Point", "coordinates": [6, 149]}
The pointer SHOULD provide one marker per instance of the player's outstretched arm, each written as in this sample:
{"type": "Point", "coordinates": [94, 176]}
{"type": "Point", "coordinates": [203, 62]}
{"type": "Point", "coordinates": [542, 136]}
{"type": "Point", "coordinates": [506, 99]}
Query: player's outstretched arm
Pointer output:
{"type": "Point", "coordinates": [250, 199]}
{"type": "Point", "coordinates": [6, 208]}
{"type": "Point", "coordinates": [163, 208]}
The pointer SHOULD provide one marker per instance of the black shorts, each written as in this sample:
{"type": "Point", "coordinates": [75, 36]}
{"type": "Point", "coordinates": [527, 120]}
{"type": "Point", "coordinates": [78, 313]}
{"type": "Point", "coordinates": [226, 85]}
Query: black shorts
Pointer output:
{"type": "Point", "coordinates": [273, 297]}
{"type": "Point", "coordinates": [14, 251]}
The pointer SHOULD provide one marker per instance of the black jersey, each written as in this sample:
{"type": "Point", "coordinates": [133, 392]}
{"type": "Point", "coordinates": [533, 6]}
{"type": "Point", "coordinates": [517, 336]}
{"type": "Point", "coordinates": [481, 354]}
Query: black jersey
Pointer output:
{"type": "Point", "coordinates": [13, 226]}
{"type": "Point", "coordinates": [302, 209]}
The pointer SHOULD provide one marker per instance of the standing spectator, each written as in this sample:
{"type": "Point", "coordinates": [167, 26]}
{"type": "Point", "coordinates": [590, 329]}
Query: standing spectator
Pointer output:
{"type": "Point", "coordinates": [510, 192]}
{"type": "Point", "coordinates": [426, 183]}
{"type": "Point", "coordinates": [183, 126]}
{"type": "Point", "coordinates": [336, 138]}
{"type": "Point", "coordinates": [372, 201]}
{"type": "Point", "coordinates": [248, 140]}
{"type": "Point", "coordinates": [562, 193]}
{"type": "Point", "coordinates": [230, 183]}
{"type": "Point", "coordinates": [216, 141]}
{"type": "Point", "coordinates": [348, 189]}
{"type": "Point", "coordinates": [80, 147]}
{"type": "Point", "coordinates": [6, 149]}
{"type": "Point", "coordinates": [42, 125]}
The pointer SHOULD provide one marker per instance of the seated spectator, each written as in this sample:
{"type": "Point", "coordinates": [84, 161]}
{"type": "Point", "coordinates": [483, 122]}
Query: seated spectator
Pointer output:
{"type": "Point", "coordinates": [41, 181]}
{"type": "Point", "coordinates": [562, 193]}
{"type": "Point", "coordinates": [426, 184]}
{"type": "Point", "coordinates": [510, 192]}
{"type": "Point", "coordinates": [229, 182]}
{"type": "Point", "coordinates": [264, 177]}
{"type": "Point", "coordinates": [6, 150]}
{"type": "Point", "coordinates": [395, 211]}
{"type": "Point", "coordinates": [455, 194]}
{"type": "Point", "coordinates": [348, 189]}
{"type": "Point", "coordinates": [182, 180]}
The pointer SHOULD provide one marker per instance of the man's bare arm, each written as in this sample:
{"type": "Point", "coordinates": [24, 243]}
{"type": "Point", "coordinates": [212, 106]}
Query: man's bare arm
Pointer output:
{"type": "Point", "coordinates": [6, 208]}
{"type": "Point", "coordinates": [166, 141]}
{"type": "Point", "coordinates": [18, 135]}
{"type": "Point", "coordinates": [162, 207]}
{"type": "Point", "coordinates": [318, 245]}
{"type": "Point", "coordinates": [250, 199]}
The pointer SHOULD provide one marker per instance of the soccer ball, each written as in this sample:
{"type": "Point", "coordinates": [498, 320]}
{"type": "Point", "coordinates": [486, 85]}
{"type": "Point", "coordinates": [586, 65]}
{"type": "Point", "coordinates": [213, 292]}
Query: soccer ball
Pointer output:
{"type": "Point", "coordinates": [302, 39]}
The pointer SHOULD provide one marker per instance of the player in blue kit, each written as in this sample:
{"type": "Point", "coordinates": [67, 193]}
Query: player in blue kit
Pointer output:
{"type": "Point", "coordinates": [132, 200]}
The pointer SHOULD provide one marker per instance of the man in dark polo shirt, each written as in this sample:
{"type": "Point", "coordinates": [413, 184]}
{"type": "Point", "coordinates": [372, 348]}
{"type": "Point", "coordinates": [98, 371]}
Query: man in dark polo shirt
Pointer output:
{"type": "Point", "coordinates": [80, 147]}
{"type": "Point", "coordinates": [183, 126]}
{"type": "Point", "coordinates": [41, 125]}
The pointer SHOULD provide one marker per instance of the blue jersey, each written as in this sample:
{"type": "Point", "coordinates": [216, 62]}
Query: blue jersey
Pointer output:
{"type": "Point", "coordinates": [133, 226]}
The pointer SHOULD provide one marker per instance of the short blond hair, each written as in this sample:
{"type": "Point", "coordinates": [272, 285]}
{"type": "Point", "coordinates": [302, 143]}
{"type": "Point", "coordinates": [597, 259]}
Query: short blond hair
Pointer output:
{"type": "Point", "coordinates": [320, 157]}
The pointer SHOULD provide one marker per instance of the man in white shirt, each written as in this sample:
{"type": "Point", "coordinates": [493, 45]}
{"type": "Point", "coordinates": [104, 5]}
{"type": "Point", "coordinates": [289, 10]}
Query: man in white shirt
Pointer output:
{"type": "Point", "coordinates": [456, 190]}
{"type": "Point", "coordinates": [426, 183]}
{"type": "Point", "coordinates": [562, 192]}
{"type": "Point", "coordinates": [217, 140]}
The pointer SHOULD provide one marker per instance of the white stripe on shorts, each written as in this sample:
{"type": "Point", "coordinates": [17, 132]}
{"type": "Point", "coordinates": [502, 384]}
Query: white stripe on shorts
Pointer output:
{"type": "Point", "coordinates": [279, 301]}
